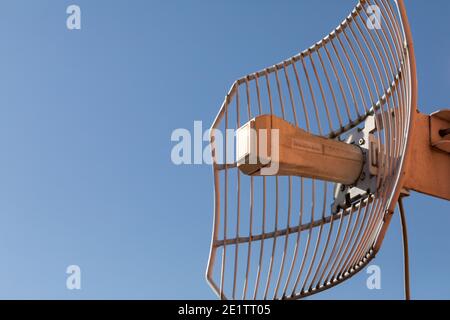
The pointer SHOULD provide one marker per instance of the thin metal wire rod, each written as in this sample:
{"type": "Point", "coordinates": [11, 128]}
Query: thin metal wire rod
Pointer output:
{"type": "Point", "coordinates": [308, 241]}
{"type": "Point", "coordinates": [360, 249]}
{"type": "Point", "coordinates": [398, 30]}
{"type": "Point", "coordinates": [313, 97]}
{"type": "Point", "coordinates": [395, 53]}
{"type": "Point", "coordinates": [330, 86]}
{"type": "Point", "coordinates": [322, 258]}
{"type": "Point", "coordinates": [318, 239]}
{"type": "Point", "coordinates": [334, 266]}
{"type": "Point", "coordinates": [283, 259]}
{"type": "Point", "coordinates": [286, 239]}
{"type": "Point", "coordinates": [392, 69]}
{"type": "Point", "coordinates": [355, 77]}
{"type": "Point", "coordinates": [297, 242]}
{"type": "Point", "coordinates": [225, 217]}
{"type": "Point", "coordinates": [249, 248]}
{"type": "Point", "coordinates": [258, 95]}
{"type": "Point", "coordinates": [311, 49]}
{"type": "Point", "coordinates": [376, 106]}
{"type": "Point", "coordinates": [381, 176]}
{"type": "Point", "coordinates": [399, 114]}
{"type": "Point", "coordinates": [347, 78]}
{"type": "Point", "coordinates": [322, 93]}
{"type": "Point", "coordinates": [263, 224]}
{"type": "Point", "coordinates": [280, 94]}
{"type": "Point", "coordinates": [274, 242]}
{"type": "Point", "coordinates": [370, 69]}
{"type": "Point", "coordinates": [358, 60]}
{"type": "Point", "coordinates": [363, 71]}
{"type": "Point", "coordinates": [377, 215]}
{"type": "Point", "coordinates": [349, 259]}
{"type": "Point", "coordinates": [390, 39]}
{"type": "Point", "coordinates": [305, 112]}
{"type": "Point", "coordinates": [377, 222]}
{"type": "Point", "coordinates": [332, 253]}
{"type": "Point", "coordinates": [341, 88]}
{"type": "Point", "coordinates": [396, 38]}
{"type": "Point", "coordinates": [380, 216]}
{"type": "Point", "coordinates": [238, 205]}
{"type": "Point", "coordinates": [405, 248]}
{"type": "Point", "coordinates": [247, 93]}
{"type": "Point", "coordinates": [321, 288]}
{"type": "Point", "coordinates": [403, 94]}
{"type": "Point", "coordinates": [364, 54]}
{"type": "Point", "coordinates": [402, 97]}
{"type": "Point", "coordinates": [378, 52]}
{"type": "Point", "coordinates": [269, 93]}
{"type": "Point", "coordinates": [394, 114]}
{"type": "Point", "coordinates": [290, 230]}
{"type": "Point", "coordinates": [339, 270]}
{"type": "Point", "coordinates": [386, 57]}
{"type": "Point", "coordinates": [291, 97]}
{"type": "Point", "coordinates": [261, 252]}
{"type": "Point", "coordinates": [269, 274]}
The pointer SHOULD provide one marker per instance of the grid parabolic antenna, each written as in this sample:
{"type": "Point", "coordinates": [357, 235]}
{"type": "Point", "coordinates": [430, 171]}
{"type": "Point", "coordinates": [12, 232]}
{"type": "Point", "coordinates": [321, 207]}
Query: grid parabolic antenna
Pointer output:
{"type": "Point", "coordinates": [344, 112]}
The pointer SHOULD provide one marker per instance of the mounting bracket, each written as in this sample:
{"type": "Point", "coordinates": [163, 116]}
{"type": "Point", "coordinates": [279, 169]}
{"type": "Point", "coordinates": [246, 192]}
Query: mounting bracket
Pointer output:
{"type": "Point", "coordinates": [347, 195]}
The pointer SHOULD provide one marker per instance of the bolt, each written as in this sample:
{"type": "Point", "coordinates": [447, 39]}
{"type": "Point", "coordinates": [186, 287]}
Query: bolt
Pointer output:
{"type": "Point", "coordinates": [387, 214]}
{"type": "Point", "coordinates": [361, 141]}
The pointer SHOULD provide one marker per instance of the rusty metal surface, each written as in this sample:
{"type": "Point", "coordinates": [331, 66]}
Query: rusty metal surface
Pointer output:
{"type": "Point", "coordinates": [420, 177]}
{"type": "Point", "coordinates": [276, 237]}
{"type": "Point", "coordinates": [440, 130]}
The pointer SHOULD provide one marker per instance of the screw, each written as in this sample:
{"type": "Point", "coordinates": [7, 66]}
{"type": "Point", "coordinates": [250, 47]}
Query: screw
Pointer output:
{"type": "Point", "coordinates": [361, 141]}
{"type": "Point", "coordinates": [386, 214]}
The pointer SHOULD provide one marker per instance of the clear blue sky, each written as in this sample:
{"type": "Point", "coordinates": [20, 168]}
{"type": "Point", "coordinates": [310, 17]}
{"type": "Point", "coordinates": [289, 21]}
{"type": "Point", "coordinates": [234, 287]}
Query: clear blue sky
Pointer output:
{"type": "Point", "coordinates": [85, 123]}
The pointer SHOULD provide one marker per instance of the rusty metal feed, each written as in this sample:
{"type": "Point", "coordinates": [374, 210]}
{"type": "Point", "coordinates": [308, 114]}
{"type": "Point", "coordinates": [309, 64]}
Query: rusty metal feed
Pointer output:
{"type": "Point", "coordinates": [277, 237]}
